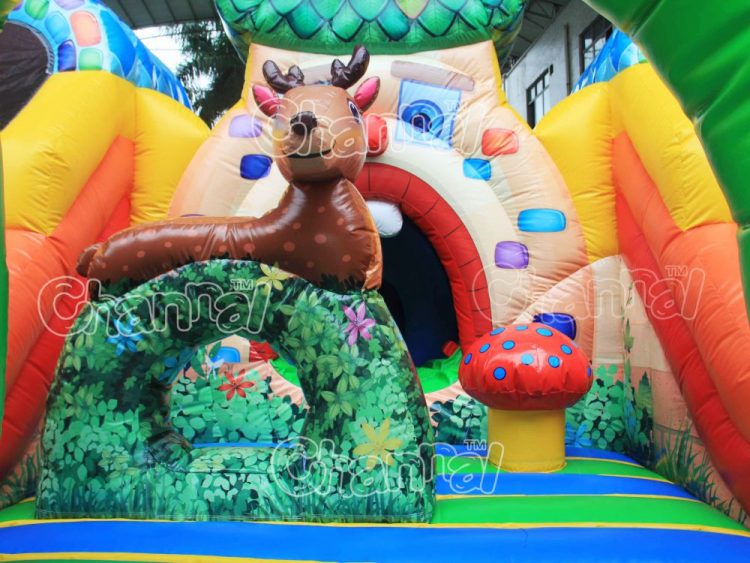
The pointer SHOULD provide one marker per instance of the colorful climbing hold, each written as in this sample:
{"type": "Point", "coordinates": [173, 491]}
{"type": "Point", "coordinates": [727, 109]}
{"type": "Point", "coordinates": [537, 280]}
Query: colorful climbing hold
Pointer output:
{"type": "Point", "coordinates": [541, 221]}
{"type": "Point", "coordinates": [86, 29]}
{"type": "Point", "coordinates": [477, 169]}
{"type": "Point", "coordinates": [90, 59]}
{"type": "Point", "coordinates": [255, 166]}
{"type": "Point", "coordinates": [497, 141]}
{"type": "Point", "coordinates": [561, 322]}
{"type": "Point", "coordinates": [245, 126]}
{"type": "Point", "coordinates": [511, 255]}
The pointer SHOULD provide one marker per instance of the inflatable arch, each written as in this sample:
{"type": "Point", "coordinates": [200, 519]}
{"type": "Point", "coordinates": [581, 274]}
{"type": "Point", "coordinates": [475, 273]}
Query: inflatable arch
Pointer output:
{"type": "Point", "coordinates": [135, 345]}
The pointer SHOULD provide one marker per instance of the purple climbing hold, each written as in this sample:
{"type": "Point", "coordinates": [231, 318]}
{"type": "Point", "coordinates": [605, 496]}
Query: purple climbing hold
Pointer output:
{"type": "Point", "coordinates": [511, 255]}
{"type": "Point", "coordinates": [245, 126]}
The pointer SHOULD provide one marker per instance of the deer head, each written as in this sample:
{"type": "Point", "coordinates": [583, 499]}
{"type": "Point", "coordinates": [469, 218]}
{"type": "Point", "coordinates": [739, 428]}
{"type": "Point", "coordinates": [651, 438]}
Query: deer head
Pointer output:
{"type": "Point", "coordinates": [318, 130]}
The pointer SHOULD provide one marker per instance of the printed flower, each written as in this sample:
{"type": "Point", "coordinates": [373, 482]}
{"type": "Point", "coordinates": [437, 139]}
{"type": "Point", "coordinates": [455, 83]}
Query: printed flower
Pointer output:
{"type": "Point", "coordinates": [379, 445]}
{"type": "Point", "coordinates": [126, 337]}
{"type": "Point", "coordinates": [359, 325]}
{"type": "Point", "coordinates": [273, 277]}
{"type": "Point", "coordinates": [577, 437]}
{"type": "Point", "coordinates": [214, 363]}
{"type": "Point", "coordinates": [236, 385]}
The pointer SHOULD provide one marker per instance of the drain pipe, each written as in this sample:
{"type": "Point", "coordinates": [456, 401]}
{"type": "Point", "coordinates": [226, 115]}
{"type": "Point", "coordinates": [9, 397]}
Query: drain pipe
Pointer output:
{"type": "Point", "coordinates": [568, 64]}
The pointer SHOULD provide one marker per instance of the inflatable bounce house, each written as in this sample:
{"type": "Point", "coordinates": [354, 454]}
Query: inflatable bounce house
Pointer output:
{"type": "Point", "coordinates": [371, 315]}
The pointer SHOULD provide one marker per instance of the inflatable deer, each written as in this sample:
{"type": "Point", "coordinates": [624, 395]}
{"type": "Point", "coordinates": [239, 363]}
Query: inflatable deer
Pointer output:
{"type": "Point", "coordinates": [321, 230]}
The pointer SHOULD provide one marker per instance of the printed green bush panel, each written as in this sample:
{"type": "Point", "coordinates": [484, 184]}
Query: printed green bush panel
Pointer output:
{"type": "Point", "coordinates": [109, 449]}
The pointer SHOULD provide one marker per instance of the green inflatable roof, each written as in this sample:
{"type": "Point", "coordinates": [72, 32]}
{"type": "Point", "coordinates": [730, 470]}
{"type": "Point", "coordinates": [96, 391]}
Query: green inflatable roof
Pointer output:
{"type": "Point", "coordinates": [384, 26]}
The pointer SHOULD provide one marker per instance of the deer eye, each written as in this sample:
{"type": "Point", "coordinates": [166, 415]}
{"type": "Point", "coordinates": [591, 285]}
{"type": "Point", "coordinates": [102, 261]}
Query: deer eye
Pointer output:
{"type": "Point", "coordinates": [355, 111]}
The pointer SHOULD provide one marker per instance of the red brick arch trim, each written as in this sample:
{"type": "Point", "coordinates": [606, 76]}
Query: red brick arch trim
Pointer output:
{"type": "Point", "coordinates": [448, 236]}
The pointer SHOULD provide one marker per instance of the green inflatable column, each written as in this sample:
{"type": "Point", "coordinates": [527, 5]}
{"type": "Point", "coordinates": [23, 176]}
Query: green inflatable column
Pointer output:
{"type": "Point", "coordinates": [702, 50]}
{"type": "Point", "coordinates": [366, 451]}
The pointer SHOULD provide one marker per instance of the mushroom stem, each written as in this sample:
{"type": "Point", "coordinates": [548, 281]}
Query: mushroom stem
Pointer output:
{"type": "Point", "coordinates": [526, 441]}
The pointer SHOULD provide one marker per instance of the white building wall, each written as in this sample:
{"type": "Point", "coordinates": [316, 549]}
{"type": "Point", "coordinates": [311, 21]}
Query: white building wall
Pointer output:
{"type": "Point", "coordinates": [548, 50]}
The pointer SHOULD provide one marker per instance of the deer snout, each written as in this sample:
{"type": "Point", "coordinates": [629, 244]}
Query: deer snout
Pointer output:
{"type": "Point", "coordinates": [303, 123]}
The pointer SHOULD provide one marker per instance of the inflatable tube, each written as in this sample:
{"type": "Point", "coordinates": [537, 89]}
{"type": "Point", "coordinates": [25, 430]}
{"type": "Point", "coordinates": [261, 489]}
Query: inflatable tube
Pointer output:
{"type": "Point", "coordinates": [636, 144]}
{"type": "Point", "coordinates": [701, 51]}
{"type": "Point", "coordinates": [603, 501]}
{"type": "Point", "coordinates": [77, 168]}
{"type": "Point", "coordinates": [5, 7]}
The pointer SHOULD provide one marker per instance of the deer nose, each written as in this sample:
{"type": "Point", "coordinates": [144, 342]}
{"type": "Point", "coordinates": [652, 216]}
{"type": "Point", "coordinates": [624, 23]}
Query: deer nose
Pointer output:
{"type": "Point", "coordinates": [303, 123]}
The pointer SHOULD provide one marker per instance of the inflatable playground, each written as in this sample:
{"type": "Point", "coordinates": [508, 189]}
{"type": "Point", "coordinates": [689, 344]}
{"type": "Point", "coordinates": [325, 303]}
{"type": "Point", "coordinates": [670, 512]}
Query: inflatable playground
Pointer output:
{"type": "Point", "coordinates": [371, 315]}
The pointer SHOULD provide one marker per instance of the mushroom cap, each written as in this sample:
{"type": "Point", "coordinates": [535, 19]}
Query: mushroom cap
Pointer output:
{"type": "Point", "coordinates": [525, 367]}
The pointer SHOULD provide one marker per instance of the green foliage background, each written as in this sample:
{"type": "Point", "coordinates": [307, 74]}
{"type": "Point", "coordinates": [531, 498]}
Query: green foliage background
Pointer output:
{"type": "Point", "coordinates": [111, 449]}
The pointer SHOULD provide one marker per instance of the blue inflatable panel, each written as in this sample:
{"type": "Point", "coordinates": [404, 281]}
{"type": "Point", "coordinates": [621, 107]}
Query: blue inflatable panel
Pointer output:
{"type": "Point", "coordinates": [87, 35]}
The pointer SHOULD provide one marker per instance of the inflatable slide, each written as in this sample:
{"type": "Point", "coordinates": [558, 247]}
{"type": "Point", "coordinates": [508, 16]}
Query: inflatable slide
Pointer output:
{"type": "Point", "coordinates": [85, 155]}
{"type": "Point", "coordinates": [372, 310]}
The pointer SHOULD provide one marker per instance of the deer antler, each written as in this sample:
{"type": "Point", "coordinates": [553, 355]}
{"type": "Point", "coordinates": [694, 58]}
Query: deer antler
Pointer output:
{"type": "Point", "coordinates": [345, 76]}
{"type": "Point", "coordinates": [281, 82]}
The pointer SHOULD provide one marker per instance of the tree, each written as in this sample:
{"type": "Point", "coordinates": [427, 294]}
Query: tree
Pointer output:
{"type": "Point", "coordinates": [213, 73]}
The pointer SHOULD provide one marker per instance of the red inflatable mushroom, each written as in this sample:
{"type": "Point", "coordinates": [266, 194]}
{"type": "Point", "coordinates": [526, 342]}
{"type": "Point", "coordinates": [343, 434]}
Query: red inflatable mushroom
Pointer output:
{"type": "Point", "coordinates": [527, 375]}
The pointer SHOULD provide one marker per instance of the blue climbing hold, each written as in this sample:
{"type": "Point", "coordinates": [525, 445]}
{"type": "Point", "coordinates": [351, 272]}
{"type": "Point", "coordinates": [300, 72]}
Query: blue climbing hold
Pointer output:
{"type": "Point", "coordinates": [477, 169]}
{"type": "Point", "coordinates": [541, 221]}
{"type": "Point", "coordinates": [255, 166]}
{"type": "Point", "coordinates": [561, 322]}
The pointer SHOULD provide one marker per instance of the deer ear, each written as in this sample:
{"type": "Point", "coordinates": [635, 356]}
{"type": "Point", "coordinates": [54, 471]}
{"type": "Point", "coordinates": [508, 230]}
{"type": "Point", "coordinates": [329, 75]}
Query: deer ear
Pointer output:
{"type": "Point", "coordinates": [267, 100]}
{"type": "Point", "coordinates": [367, 92]}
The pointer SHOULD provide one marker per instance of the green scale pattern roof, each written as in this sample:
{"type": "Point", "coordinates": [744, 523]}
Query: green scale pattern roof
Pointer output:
{"type": "Point", "coordinates": [384, 26]}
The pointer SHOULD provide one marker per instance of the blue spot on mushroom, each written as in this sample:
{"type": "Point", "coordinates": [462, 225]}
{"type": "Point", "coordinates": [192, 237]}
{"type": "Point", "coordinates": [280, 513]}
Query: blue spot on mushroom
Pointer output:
{"type": "Point", "coordinates": [499, 373]}
{"type": "Point", "coordinates": [484, 348]}
{"type": "Point", "coordinates": [554, 361]}
{"type": "Point", "coordinates": [588, 371]}
{"type": "Point", "coordinates": [467, 359]}
{"type": "Point", "coordinates": [509, 345]}
{"type": "Point", "coordinates": [544, 331]}
{"type": "Point", "coordinates": [522, 327]}
{"type": "Point", "coordinates": [527, 359]}
{"type": "Point", "coordinates": [566, 349]}
{"type": "Point", "coordinates": [498, 330]}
